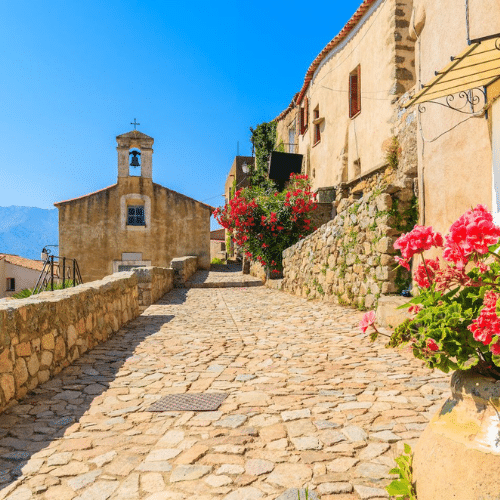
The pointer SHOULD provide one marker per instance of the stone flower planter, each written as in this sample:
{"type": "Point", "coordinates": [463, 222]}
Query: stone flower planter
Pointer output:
{"type": "Point", "coordinates": [458, 455]}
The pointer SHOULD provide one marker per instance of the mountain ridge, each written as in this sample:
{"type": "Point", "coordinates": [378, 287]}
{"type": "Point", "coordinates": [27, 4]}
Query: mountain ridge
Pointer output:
{"type": "Point", "coordinates": [24, 231]}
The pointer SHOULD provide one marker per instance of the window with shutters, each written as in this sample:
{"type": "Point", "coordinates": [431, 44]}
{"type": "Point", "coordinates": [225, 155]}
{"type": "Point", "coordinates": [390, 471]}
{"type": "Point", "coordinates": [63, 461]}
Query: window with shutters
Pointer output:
{"type": "Point", "coordinates": [136, 215]}
{"type": "Point", "coordinates": [304, 116]}
{"type": "Point", "coordinates": [355, 92]}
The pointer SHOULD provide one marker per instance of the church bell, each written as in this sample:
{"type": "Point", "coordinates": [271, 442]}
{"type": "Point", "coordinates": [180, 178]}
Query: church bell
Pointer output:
{"type": "Point", "coordinates": [135, 159]}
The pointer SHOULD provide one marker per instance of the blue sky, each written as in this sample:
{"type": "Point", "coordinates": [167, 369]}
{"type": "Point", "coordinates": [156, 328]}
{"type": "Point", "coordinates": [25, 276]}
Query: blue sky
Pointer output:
{"type": "Point", "coordinates": [195, 75]}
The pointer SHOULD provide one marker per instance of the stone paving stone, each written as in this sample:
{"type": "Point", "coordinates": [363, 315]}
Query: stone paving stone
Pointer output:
{"type": "Point", "coordinates": [296, 493]}
{"type": "Point", "coordinates": [256, 467]}
{"type": "Point", "coordinates": [334, 488]}
{"type": "Point", "coordinates": [309, 398]}
{"type": "Point", "coordinates": [189, 472]}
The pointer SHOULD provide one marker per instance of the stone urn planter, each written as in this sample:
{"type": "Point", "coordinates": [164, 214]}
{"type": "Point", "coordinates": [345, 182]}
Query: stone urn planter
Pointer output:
{"type": "Point", "coordinates": [458, 455]}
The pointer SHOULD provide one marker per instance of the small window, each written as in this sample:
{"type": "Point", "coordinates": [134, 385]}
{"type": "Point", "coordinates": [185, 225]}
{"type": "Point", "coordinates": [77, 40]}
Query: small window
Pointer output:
{"type": "Point", "coordinates": [136, 216]}
{"type": "Point", "coordinates": [355, 92]}
{"type": "Point", "coordinates": [291, 139]}
{"type": "Point", "coordinates": [304, 118]}
{"type": "Point", "coordinates": [317, 132]}
{"type": "Point", "coordinates": [11, 284]}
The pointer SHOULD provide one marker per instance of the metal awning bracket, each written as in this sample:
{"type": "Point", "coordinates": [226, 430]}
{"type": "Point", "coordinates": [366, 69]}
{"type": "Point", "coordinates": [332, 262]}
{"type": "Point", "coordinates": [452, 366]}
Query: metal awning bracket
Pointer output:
{"type": "Point", "coordinates": [461, 85]}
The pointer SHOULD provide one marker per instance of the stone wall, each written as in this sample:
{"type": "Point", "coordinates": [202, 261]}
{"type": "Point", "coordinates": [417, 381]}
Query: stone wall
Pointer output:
{"type": "Point", "coordinates": [257, 270]}
{"type": "Point", "coordinates": [153, 283]}
{"type": "Point", "coordinates": [350, 260]}
{"type": "Point", "coordinates": [41, 335]}
{"type": "Point", "coordinates": [184, 268]}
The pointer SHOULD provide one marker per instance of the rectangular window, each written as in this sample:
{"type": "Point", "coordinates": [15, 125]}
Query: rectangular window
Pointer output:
{"type": "Point", "coordinates": [317, 132]}
{"type": "Point", "coordinates": [11, 284]}
{"type": "Point", "coordinates": [291, 139]}
{"type": "Point", "coordinates": [355, 92]}
{"type": "Point", "coordinates": [304, 118]}
{"type": "Point", "coordinates": [136, 216]}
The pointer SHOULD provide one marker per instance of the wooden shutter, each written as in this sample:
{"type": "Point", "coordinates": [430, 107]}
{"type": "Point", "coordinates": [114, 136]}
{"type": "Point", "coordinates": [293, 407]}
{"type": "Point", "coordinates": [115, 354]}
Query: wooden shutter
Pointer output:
{"type": "Point", "coordinates": [306, 113]}
{"type": "Point", "coordinates": [355, 92]}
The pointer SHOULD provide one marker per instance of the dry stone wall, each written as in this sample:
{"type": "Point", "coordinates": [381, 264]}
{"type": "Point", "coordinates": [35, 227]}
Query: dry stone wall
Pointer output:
{"type": "Point", "coordinates": [350, 259]}
{"type": "Point", "coordinates": [184, 268]}
{"type": "Point", "coordinates": [41, 335]}
{"type": "Point", "coordinates": [153, 283]}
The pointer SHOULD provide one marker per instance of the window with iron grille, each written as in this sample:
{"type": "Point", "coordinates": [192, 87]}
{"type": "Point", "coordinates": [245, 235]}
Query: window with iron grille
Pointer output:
{"type": "Point", "coordinates": [136, 216]}
{"type": "Point", "coordinates": [11, 284]}
{"type": "Point", "coordinates": [355, 92]}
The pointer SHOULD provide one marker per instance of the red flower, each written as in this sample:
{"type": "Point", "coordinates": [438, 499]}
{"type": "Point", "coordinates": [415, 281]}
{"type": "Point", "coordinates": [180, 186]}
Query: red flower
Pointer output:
{"type": "Point", "coordinates": [415, 309]}
{"type": "Point", "coordinates": [495, 349]}
{"type": "Point", "coordinates": [487, 324]}
{"type": "Point", "coordinates": [402, 262]}
{"type": "Point", "coordinates": [473, 232]}
{"type": "Point", "coordinates": [367, 320]}
{"type": "Point", "coordinates": [423, 274]}
{"type": "Point", "coordinates": [416, 241]}
{"type": "Point", "coordinates": [431, 344]}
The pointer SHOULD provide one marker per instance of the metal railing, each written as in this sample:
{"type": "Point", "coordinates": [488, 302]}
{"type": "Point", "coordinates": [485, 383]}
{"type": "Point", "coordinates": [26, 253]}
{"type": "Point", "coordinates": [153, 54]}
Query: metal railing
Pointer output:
{"type": "Point", "coordinates": [58, 270]}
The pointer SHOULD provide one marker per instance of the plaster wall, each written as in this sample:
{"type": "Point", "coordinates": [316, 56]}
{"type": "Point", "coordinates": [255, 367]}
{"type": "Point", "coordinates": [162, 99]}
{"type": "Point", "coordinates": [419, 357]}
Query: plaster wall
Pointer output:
{"type": "Point", "coordinates": [217, 249]}
{"type": "Point", "coordinates": [455, 153]}
{"type": "Point", "coordinates": [25, 278]}
{"type": "Point", "coordinates": [3, 278]}
{"type": "Point", "coordinates": [349, 147]}
{"type": "Point", "coordinates": [91, 230]}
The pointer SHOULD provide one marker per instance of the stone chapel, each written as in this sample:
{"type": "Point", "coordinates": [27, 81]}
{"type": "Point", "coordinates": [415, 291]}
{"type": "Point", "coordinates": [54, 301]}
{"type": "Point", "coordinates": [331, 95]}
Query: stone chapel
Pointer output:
{"type": "Point", "coordinates": [134, 222]}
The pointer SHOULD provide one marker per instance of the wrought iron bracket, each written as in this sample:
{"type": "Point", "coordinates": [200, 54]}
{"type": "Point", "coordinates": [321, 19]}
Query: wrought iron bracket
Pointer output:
{"type": "Point", "coordinates": [468, 102]}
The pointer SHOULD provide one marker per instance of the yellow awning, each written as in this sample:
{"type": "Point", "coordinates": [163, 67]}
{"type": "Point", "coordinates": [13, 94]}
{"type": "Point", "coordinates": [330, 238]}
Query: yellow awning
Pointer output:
{"type": "Point", "coordinates": [477, 66]}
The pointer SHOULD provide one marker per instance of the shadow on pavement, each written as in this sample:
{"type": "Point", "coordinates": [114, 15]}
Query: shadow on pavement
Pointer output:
{"type": "Point", "coordinates": [49, 410]}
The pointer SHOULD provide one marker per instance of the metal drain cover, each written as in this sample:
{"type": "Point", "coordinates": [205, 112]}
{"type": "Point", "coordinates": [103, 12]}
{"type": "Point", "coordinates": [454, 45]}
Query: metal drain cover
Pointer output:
{"type": "Point", "coordinates": [189, 402]}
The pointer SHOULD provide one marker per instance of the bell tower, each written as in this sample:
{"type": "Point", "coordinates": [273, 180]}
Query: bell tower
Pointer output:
{"type": "Point", "coordinates": [135, 149]}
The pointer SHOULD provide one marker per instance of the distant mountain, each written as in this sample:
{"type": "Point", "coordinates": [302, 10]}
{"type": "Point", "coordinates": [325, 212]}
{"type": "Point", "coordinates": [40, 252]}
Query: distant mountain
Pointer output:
{"type": "Point", "coordinates": [25, 231]}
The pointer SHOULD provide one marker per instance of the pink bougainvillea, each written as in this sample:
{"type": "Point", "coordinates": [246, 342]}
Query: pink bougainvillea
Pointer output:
{"type": "Point", "coordinates": [265, 223]}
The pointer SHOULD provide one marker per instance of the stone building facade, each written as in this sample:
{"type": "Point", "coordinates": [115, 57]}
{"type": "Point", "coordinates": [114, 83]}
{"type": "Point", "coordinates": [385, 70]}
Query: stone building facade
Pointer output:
{"type": "Point", "coordinates": [134, 222]}
{"type": "Point", "coordinates": [342, 119]}
{"type": "Point", "coordinates": [350, 259]}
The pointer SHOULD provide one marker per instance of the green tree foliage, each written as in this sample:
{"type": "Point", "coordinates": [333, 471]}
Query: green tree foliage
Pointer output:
{"type": "Point", "coordinates": [263, 139]}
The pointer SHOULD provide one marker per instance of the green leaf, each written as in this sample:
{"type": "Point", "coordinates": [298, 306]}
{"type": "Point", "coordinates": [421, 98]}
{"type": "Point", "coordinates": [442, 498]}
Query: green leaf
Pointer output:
{"type": "Point", "coordinates": [407, 449]}
{"type": "Point", "coordinates": [496, 359]}
{"type": "Point", "coordinates": [399, 487]}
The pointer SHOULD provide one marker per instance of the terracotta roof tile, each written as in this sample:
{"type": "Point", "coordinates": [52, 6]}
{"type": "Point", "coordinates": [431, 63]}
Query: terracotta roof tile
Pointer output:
{"type": "Point", "coordinates": [218, 234]}
{"type": "Point", "coordinates": [37, 265]}
{"type": "Point", "coordinates": [351, 24]}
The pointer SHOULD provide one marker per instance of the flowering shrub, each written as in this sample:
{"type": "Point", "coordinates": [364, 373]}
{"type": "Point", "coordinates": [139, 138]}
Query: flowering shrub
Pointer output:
{"type": "Point", "coordinates": [455, 323]}
{"type": "Point", "coordinates": [265, 222]}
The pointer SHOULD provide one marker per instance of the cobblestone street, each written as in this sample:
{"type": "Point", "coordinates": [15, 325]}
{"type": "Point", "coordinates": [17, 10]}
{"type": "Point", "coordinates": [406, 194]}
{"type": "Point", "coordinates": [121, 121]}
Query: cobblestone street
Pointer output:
{"type": "Point", "coordinates": [311, 403]}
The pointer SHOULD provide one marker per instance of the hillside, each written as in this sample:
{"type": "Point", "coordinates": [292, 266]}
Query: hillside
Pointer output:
{"type": "Point", "coordinates": [25, 231]}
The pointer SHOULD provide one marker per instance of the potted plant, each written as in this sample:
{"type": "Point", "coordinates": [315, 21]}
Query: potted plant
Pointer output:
{"type": "Point", "coordinates": [455, 326]}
